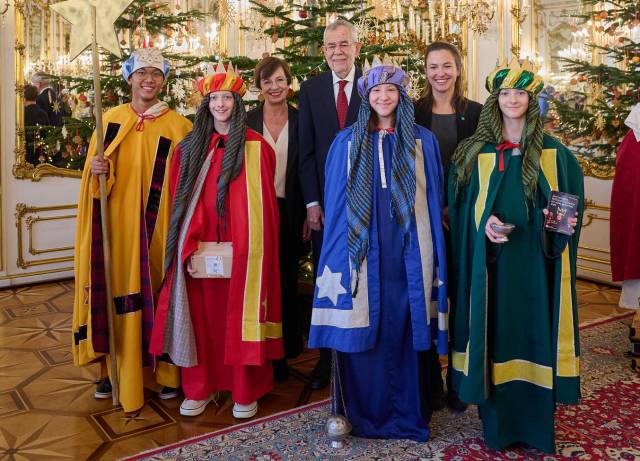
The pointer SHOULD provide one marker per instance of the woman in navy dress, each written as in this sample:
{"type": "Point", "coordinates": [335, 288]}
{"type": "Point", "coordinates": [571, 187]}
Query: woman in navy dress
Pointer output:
{"type": "Point", "coordinates": [380, 297]}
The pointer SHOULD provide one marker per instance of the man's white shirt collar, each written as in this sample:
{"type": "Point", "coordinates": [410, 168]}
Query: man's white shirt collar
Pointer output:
{"type": "Point", "coordinates": [349, 78]}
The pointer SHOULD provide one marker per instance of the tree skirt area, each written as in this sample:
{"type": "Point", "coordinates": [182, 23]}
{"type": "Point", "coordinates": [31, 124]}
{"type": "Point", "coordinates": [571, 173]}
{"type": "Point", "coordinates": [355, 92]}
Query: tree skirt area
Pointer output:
{"type": "Point", "coordinates": [604, 426]}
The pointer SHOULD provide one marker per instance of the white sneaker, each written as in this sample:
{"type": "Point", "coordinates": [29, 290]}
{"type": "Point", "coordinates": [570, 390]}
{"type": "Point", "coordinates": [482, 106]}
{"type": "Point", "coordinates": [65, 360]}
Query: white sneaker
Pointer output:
{"type": "Point", "coordinates": [245, 411]}
{"type": "Point", "coordinates": [194, 407]}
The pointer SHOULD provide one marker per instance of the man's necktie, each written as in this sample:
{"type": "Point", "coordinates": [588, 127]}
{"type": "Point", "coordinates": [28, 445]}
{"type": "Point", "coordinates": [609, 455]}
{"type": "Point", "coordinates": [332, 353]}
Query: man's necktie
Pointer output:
{"type": "Point", "coordinates": [342, 104]}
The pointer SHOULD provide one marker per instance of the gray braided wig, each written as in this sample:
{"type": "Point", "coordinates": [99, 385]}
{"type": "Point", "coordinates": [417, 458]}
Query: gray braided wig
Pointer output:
{"type": "Point", "coordinates": [359, 191]}
{"type": "Point", "coordinates": [490, 131]}
{"type": "Point", "coordinates": [194, 149]}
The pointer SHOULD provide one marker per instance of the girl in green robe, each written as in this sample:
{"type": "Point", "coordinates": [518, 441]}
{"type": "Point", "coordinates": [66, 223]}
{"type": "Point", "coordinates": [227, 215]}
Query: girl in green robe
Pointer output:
{"type": "Point", "coordinates": [515, 336]}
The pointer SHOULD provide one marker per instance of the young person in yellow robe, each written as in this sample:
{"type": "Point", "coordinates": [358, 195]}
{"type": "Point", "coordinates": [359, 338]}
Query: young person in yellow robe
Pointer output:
{"type": "Point", "coordinates": [139, 141]}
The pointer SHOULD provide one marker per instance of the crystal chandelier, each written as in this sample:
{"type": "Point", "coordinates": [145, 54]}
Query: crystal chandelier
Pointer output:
{"type": "Point", "coordinates": [477, 14]}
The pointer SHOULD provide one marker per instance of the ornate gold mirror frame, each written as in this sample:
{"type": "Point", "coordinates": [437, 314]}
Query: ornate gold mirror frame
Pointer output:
{"type": "Point", "coordinates": [21, 168]}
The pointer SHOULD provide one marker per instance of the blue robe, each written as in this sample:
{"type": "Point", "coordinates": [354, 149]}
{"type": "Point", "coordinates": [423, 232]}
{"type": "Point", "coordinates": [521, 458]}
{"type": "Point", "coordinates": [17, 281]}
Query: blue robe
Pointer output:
{"type": "Point", "coordinates": [401, 305]}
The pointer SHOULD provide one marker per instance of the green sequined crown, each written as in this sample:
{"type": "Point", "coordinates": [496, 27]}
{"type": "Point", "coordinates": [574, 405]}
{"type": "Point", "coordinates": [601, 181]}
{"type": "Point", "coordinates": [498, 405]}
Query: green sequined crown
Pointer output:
{"type": "Point", "coordinates": [515, 75]}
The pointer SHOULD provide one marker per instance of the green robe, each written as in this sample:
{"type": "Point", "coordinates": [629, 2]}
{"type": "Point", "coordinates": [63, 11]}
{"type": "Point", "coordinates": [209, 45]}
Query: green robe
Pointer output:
{"type": "Point", "coordinates": [515, 331]}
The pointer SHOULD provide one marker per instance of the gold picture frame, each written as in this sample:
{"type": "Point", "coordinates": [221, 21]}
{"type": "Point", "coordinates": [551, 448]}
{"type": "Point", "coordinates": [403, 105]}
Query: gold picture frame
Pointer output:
{"type": "Point", "coordinates": [596, 170]}
{"type": "Point", "coordinates": [21, 168]}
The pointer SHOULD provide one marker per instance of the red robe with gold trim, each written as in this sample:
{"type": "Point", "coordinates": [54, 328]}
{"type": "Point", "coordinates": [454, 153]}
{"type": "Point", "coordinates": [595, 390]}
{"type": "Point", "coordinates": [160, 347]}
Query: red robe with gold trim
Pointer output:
{"type": "Point", "coordinates": [625, 218]}
{"type": "Point", "coordinates": [236, 322]}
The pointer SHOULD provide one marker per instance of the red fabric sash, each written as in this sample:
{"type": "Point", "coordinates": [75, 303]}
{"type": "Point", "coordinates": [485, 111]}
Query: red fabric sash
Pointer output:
{"type": "Point", "coordinates": [504, 146]}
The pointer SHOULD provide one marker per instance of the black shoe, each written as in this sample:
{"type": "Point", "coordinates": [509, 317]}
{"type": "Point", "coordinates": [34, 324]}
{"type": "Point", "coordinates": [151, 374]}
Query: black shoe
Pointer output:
{"type": "Point", "coordinates": [103, 389]}
{"type": "Point", "coordinates": [280, 370]}
{"type": "Point", "coordinates": [168, 393]}
{"type": "Point", "coordinates": [321, 374]}
{"type": "Point", "coordinates": [454, 403]}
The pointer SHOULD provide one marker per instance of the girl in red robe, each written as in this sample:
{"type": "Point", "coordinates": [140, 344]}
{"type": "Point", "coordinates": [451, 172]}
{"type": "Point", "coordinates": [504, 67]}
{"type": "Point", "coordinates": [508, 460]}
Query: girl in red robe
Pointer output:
{"type": "Point", "coordinates": [224, 332]}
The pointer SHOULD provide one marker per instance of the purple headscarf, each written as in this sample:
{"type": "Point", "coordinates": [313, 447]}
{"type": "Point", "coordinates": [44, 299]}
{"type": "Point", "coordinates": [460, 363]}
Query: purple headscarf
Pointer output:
{"type": "Point", "coordinates": [379, 75]}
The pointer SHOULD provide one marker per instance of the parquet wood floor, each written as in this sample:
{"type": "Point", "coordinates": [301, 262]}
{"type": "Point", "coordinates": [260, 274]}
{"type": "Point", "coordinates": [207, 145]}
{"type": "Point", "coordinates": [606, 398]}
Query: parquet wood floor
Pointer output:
{"type": "Point", "coordinates": [47, 409]}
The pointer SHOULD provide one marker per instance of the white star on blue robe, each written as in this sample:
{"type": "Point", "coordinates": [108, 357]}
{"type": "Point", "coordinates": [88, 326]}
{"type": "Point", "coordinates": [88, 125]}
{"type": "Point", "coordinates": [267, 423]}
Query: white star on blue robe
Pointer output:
{"type": "Point", "coordinates": [329, 285]}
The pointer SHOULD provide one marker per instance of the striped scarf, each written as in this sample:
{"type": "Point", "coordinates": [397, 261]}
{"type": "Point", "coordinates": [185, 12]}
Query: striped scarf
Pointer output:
{"type": "Point", "coordinates": [194, 149]}
{"type": "Point", "coordinates": [359, 193]}
{"type": "Point", "coordinates": [489, 131]}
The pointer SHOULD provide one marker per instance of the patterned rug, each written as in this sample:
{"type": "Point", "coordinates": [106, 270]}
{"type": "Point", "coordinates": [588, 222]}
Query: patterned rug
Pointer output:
{"type": "Point", "coordinates": [605, 425]}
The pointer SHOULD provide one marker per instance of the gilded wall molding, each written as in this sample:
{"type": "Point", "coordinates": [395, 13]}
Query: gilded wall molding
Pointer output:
{"type": "Point", "coordinates": [596, 249]}
{"type": "Point", "coordinates": [21, 211]}
{"type": "Point", "coordinates": [592, 204]}
{"type": "Point", "coordinates": [593, 259]}
{"type": "Point", "coordinates": [31, 221]}
{"type": "Point", "coordinates": [590, 217]}
{"type": "Point", "coordinates": [593, 269]}
{"type": "Point", "coordinates": [35, 274]}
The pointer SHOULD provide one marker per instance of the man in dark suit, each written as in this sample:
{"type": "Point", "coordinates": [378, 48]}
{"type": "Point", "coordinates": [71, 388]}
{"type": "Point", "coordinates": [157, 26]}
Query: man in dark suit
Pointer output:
{"type": "Point", "coordinates": [48, 99]}
{"type": "Point", "coordinates": [33, 116]}
{"type": "Point", "coordinates": [328, 103]}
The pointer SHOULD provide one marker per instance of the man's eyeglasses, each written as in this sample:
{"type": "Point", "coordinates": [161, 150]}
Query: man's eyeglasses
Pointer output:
{"type": "Point", "coordinates": [155, 74]}
{"type": "Point", "coordinates": [333, 47]}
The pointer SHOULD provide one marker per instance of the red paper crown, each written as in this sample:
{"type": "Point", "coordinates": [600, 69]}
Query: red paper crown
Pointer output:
{"type": "Point", "coordinates": [224, 78]}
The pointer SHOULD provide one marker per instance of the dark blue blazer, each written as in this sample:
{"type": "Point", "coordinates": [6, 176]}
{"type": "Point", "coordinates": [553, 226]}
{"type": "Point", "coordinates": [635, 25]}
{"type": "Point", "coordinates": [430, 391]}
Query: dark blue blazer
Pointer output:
{"type": "Point", "coordinates": [317, 127]}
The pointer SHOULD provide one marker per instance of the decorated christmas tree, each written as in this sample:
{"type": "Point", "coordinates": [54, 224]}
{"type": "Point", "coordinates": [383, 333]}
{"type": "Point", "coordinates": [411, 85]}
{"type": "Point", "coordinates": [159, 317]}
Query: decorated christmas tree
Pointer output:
{"type": "Point", "coordinates": [145, 23]}
{"type": "Point", "coordinates": [603, 89]}
{"type": "Point", "coordinates": [395, 31]}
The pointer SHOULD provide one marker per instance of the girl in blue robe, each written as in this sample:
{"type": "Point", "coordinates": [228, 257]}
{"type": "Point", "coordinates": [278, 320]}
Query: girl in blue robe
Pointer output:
{"type": "Point", "coordinates": [380, 297]}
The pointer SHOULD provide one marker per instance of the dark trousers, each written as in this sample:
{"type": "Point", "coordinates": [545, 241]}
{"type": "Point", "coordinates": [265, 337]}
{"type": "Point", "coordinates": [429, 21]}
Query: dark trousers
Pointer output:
{"type": "Point", "coordinates": [292, 313]}
{"type": "Point", "coordinates": [316, 247]}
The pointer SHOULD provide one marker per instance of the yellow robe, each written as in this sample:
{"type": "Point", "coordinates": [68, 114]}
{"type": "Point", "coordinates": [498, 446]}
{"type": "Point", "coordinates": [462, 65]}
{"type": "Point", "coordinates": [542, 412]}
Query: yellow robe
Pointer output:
{"type": "Point", "coordinates": [132, 158]}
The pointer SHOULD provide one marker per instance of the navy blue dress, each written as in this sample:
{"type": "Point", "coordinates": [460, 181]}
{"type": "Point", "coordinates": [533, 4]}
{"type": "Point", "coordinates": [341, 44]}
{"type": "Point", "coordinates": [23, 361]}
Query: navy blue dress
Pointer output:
{"type": "Point", "coordinates": [385, 388]}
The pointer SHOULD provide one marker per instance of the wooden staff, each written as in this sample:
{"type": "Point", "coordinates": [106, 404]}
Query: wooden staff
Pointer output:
{"type": "Point", "coordinates": [106, 243]}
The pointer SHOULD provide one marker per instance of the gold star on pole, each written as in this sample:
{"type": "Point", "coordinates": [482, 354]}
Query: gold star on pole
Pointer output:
{"type": "Point", "coordinates": [78, 13]}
